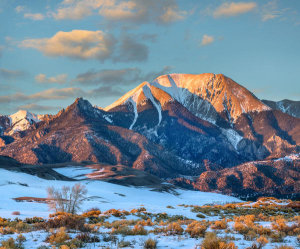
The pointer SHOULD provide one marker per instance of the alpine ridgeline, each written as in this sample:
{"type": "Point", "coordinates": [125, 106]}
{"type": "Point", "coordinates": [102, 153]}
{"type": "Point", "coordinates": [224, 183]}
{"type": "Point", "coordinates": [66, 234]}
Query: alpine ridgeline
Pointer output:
{"type": "Point", "coordinates": [201, 131]}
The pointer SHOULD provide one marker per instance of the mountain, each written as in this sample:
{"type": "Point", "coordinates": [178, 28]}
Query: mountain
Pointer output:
{"type": "Point", "coordinates": [225, 105]}
{"type": "Point", "coordinates": [18, 121]}
{"type": "Point", "coordinates": [208, 96]}
{"type": "Point", "coordinates": [275, 177]}
{"type": "Point", "coordinates": [179, 126]}
{"type": "Point", "coordinates": [287, 106]}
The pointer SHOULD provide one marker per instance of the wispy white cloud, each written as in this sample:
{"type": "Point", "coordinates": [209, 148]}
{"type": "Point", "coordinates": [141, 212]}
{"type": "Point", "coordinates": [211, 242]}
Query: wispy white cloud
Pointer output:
{"type": "Point", "coordinates": [206, 40]}
{"type": "Point", "coordinates": [20, 8]}
{"type": "Point", "coordinates": [37, 108]}
{"type": "Point", "coordinates": [49, 94]}
{"type": "Point", "coordinates": [271, 11]}
{"type": "Point", "coordinates": [118, 77]}
{"type": "Point", "coordinates": [34, 16]}
{"type": "Point", "coordinates": [229, 9]}
{"type": "Point", "coordinates": [58, 79]}
{"type": "Point", "coordinates": [9, 74]}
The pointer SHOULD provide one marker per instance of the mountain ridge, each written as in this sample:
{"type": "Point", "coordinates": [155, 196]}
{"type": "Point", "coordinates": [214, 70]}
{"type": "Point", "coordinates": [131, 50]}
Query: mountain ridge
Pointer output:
{"type": "Point", "coordinates": [175, 125]}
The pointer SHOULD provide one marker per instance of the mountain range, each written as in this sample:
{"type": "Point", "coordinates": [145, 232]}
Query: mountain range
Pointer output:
{"type": "Point", "coordinates": [204, 132]}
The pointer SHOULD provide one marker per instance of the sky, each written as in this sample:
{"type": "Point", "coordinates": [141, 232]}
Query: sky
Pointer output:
{"type": "Point", "coordinates": [52, 51]}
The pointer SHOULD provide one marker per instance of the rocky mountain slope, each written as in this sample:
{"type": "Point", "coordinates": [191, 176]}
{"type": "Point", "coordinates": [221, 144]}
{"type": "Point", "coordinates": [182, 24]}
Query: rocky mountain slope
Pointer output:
{"type": "Point", "coordinates": [178, 125]}
{"type": "Point", "coordinates": [276, 177]}
{"type": "Point", "coordinates": [287, 106]}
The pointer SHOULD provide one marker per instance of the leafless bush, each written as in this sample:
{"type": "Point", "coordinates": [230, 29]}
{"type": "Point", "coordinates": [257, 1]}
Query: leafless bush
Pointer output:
{"type": "Point", "coordinates": [66, 199]}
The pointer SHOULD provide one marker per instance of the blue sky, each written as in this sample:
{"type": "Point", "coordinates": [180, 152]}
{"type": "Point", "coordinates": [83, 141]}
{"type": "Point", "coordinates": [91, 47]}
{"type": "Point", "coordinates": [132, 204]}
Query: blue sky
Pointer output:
{"type": "Point", "coordinates": [52, 51]}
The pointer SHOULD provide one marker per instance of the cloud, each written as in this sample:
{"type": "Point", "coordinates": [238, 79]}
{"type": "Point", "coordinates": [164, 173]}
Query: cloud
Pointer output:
{"type": "Point", "coordinates": [8, 74]}
{"type": "Point", "coordinates": [85, 44]}
{"type": "Point", "coordinates": [35, 16]}
{"type": "Point", "coordinates": [28, 15]}
{"type": "Point", "coordinates": [206, 40]}
{"type": "Point", "coordinates": [271, 11]}
{"type": "Point", "coordinates": [58, 79]}
{"type": "Point", "coordinates": [38, 108]}
{"type": "Point", "coordinates": [118, 77]}
{"type": "Point", "coordinates": [49, 94]}
{"type": "Point", "coordinates": [172, 14]}
{"type": "Point", "coordinates": [131, 50]}
{"type": "Point", "coordinates": [104, 91]}
{"type": "Point", "coordinates": [75, 10]}
{"type": "Point", "coordinates": [234, 9]}
{"type": "Point", "coordinates": [20, 8]}
{"type": "Point", "coordinates": [134, 11]}
{"type": "Point", "coordinates": [78, 44]}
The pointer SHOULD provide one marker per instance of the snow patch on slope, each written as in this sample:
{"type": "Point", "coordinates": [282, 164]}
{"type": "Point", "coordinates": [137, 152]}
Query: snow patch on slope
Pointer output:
{"type": "Point", "coordinates": [135, 112]}
{"type": "Point", "coordinates": [75, 172]}
{"type": "Point", "coordinates": [149, 96]}
{"type": "Point", "coordinates": [233, 137]}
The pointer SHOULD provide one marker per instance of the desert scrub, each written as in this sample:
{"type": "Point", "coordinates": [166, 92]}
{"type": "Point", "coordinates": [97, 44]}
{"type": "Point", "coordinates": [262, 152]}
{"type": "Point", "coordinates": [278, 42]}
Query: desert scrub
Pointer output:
{"type": "Point", "coordinates": [123, 230]}
{"type": "Point", "coordinates": [260, 243]}
{"type": "Point", "coordinates": [119, 223]}
{"type": "Point", "coordinates": [281, 226]}
{"type": "Point", "coordinates": [91, 213]}
{"type": "Point", "coordinates": [124, 243]}
{"type": "Point", "coordinates": [70, 221]}
{"type": "Point", "coordinates": [139, 230]}
{"type": "Point", "coordinates": [147, 222]}
{"type": "Point", "coordinates": [150, 244]}
{"type": "Point", "coordinates": [219, 224]}
{"type": "Point", "coordinates": [34, 220]}
{"type": "Point", "coordinates": [87, 238]}
{"type": "Point", "coordinates": [58, 237]}
{"type": "Point", "coordinates": [114, 212]}
{"type": "Point", "coordinates": [197, 229]}
{"type": "Point", "coordinates": [173, 229]}
{"type": "Point", "coordinates": [212, 241]}
{"type": "Point", "coordinates": [13, 244]}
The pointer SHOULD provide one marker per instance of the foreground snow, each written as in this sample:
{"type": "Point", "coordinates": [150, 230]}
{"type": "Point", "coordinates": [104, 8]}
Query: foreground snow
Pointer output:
{"type": "Point", "coordinates": [102, 195]}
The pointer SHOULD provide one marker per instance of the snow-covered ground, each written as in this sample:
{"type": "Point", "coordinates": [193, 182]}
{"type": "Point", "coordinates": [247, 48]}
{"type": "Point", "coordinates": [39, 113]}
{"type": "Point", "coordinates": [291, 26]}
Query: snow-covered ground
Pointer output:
{"type": "Point", "coordinates": [106, 196]}
{"type": "Point", "coordinates": [101, 194]}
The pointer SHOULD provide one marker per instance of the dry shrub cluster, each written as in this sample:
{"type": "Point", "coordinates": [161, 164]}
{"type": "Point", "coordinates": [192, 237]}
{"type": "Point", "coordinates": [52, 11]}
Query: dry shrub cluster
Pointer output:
{"type": "Point", "coordinates": [219, 224]}
{"type": "Point", "coordinates": [197, 229]}
{"type": "Point", "coordinates": [212, 241]}
{"type": "Point", "coordinates": [70, 221]}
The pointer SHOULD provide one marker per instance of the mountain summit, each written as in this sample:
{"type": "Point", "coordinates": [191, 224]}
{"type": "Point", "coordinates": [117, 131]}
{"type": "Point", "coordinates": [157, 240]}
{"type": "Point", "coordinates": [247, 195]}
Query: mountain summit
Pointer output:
{"type": "Point", "coordinates": [205, 95]}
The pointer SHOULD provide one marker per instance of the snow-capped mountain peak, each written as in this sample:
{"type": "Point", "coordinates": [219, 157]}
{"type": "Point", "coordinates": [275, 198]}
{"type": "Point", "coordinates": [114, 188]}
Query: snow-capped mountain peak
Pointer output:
{"type": "Point", "coordinates": [22, 119]}
{"type": "Point", "coordinates": [205, 95]}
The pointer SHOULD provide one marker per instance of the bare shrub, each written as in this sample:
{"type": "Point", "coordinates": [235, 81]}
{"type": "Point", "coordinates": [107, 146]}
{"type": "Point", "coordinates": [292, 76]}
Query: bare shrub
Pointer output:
{"type": "Point", "coordinates": [66, 199]}
{"type": "Point", "coordinates": [150, 244]}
